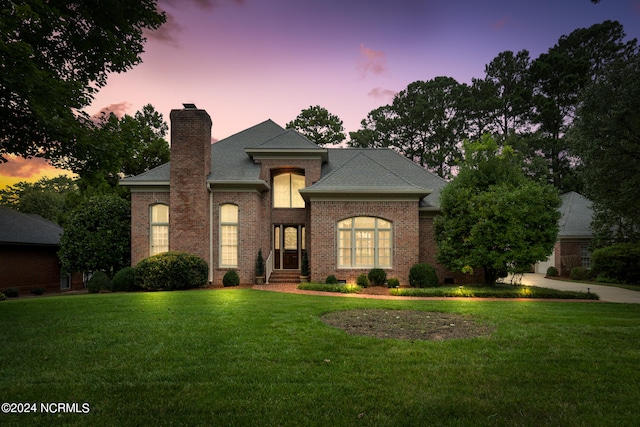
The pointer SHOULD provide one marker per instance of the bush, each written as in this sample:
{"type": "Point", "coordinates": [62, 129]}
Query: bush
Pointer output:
{"type": "Point", "coordinates": [12, 293]}
{"type": "Point", "coordinates": [393, 283]}
{"type": "Point", "coordinates": [2, 296]}
{"type": "Point", "coordinates": [423, 276]}
{"type": "Point", "coordinates": [37, 291]}
{"type": "Point", "coordinates": [230, 278]}
{"type": "Point", "coordinates": [331, 280]}
{"type": "Point", "coordinates": [362, 280]}
{"type": "Point", "coordinates": [579, 273]}
{"type": "Point", "coordinates": [619, 262]}
{"type": "Point", "coordinates": [377, 276]}
{"type": "Point", "coordinates": [172, 271]}
{"type": "Point", "coordinates": [552, 272]}
{"type": "Point", "coordinates": [124, 280]}
{"type": "Point", "coordinates": [99, 281]}
{"type": "Point", "coordinates": [259, 264]}
{"type": "Point", "coordinates": [304, 268]}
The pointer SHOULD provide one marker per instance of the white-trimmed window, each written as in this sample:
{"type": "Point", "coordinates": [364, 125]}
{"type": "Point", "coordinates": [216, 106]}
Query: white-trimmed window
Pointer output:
{"type": "Point", "coordinates": [159, 229]}
{"type": "Point", "coordinates": [228, 235]}
{"type": "Point", "coordinates": [364, 242]}
{"type": "Point", "coordinates": [585, 257]}
{"type": "Point", "coordinates": [285, 191]}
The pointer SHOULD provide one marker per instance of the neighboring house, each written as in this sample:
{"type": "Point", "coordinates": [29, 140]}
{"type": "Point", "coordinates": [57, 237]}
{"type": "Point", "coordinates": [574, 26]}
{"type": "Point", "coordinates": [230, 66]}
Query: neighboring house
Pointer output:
{"type": "Point", "coordinates": [272, 189]}
{"type": "Point", "coordinates": [28, 253]}
{"type": "Point", "coordinates": [572, 248]}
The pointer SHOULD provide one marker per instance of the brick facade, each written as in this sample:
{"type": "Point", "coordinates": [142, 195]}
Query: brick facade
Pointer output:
{"type": "Point", "coordinates": [568, 254]}
{"type": "Point", "coordinates": [141, 203]}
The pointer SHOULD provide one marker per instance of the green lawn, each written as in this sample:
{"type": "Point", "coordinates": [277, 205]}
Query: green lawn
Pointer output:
{"type": "Point", "coordinates": [237, 357]}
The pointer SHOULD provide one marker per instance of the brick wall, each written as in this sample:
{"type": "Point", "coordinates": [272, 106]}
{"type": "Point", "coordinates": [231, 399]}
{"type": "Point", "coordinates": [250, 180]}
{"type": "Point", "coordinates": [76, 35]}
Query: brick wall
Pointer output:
{"type": "Point", "coordinates": [569, 255]}
{"type": "Point", "coordinates": [190, 166]}
{"type": "Point", "coordinates": [323, 233]}
{"type": "Point", "coordinates": [140, 221]}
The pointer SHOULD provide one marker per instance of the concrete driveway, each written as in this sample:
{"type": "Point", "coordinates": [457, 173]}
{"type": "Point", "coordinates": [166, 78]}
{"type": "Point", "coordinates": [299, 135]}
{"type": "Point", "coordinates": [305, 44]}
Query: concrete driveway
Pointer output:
{"type": "Point", "coordinates": [606, 293]}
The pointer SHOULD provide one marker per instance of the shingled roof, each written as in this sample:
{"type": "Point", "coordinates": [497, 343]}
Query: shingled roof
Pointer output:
{"type": "Point", "coordinates": [17, 228]}
{"type": "Point", "coordinates": [576, 216]}
{"type": "Point", "coordinates": [344, 170]}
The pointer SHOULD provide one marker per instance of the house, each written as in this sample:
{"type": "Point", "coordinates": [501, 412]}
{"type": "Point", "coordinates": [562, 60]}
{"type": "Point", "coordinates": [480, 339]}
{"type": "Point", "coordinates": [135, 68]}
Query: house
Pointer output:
{"type": "Point", "coordinates": [271, 189]}
{"type": "Point", "coordinates": [28, 254]}
{"type": "Point", "coordinates": [575, 234]}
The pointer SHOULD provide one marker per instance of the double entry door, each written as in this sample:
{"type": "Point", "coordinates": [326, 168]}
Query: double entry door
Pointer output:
{"type": "Point", "coordinates": [288, 245]}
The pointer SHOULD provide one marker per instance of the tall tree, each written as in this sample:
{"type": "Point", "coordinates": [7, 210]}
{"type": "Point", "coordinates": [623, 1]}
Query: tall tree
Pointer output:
{"type": "Point", "coordinates": [559, 77]}
{"type": "Point", "coordinates": [320, 126]}
{"type": "Point", "coordinates": [606, 136]}
{"type": "Point", "coordinates": [55, 55]}
{"type": "Point", "coordinates": [493, 217]}
{"type": "Point", "coordinates": [114, 148]}
{"type": "Point", "coordinates": [425, 123]}
{"type": "Point", "coordinates": [46, 197]}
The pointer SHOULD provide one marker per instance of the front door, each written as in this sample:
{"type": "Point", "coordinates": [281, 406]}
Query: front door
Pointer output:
{"type": "Point", "coordinates": [288, 245]}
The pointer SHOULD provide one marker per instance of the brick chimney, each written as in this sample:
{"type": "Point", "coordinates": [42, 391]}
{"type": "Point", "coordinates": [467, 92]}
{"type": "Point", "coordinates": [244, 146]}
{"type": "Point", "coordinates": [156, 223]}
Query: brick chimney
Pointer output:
{"type": "Point", "coordinates": [190, 166]}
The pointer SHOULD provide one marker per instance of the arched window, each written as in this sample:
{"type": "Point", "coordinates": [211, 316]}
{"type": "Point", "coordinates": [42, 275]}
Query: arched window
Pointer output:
{"type": "Point", "coordinates": [364, 242]}
{"type": "Point", "coordinates": [159, 229]}
{"type": "Point", "coordinates": [285, 191]}
{"type": "Point", "coordinates": [228, 235]}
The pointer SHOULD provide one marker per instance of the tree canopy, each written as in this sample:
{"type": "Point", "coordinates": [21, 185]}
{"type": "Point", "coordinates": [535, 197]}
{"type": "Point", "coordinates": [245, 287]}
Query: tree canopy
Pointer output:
{"type": "Point", "coordinates": [319, 125]}
{"type": "Point", "coordinates": [606, 137]}
{"type": "Point", "coordinates": [55, 55]}
{"type": "Point", "coordinates": [47, 197]}
{"type": "Point", "coordinates": [492, 216]}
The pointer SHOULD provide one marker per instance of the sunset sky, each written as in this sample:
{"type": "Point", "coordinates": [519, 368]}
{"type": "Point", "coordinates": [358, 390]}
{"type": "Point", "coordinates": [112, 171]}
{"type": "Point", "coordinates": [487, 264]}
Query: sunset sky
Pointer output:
{"type": "Point", "coordinates": [245, 61]}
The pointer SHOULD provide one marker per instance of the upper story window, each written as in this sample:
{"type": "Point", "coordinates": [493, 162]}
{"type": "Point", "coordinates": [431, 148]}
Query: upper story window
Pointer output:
{"type": "Point", "coordinates": [364, 242]}
{"type": "Point", "coordinates": [228, 235]}
{"type": "Point", "coordinates": [285, 190]}
{"type": "Point", "coordinates": [159, 229]}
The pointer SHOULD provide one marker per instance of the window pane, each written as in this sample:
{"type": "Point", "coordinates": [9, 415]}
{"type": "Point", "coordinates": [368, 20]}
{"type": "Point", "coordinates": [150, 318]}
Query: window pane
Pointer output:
{"type": "Point", "coordinates": [344, 248]}
{"type": "Point", "coordinates": [159, 239]}
{"type": "Point", "coordinates": [384, 249]}
{"type": "Point", "coordinates": [297, 183]}
{"type": "Point", "coordinates": [282, 191]}
{"type": "Point", "coordinates": [229, 214]}
{"type": "Point", "coordinates": [160, 213]}
{"type": "Point", "coordinates": [365, 222]}
{"type": "Point", "coordinates": [345, 223]}
{"type": "Point", "coordinates": [383, 224]}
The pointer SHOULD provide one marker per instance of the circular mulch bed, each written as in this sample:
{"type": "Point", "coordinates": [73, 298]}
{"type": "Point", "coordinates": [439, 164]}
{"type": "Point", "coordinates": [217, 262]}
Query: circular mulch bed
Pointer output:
{"type": "Point", "coordinates": [406, 324]}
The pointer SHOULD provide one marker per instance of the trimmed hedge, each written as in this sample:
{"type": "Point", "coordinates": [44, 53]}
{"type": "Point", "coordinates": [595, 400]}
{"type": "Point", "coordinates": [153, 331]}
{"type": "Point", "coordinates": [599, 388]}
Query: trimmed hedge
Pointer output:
{"type": "Point", "coordinates": [423, 276]}
{"type": "Point", "coordinates": [620, 263]}
{"type": "Point", "coordinates": [362, 280]}
{"type": "Point", "coordinates": [331, 280]}
{"type": "Point", "coordinates": [393, 283]}
{"type": "Point", "coordinates": [99, 282]}
{"type": "Point", "coordinates": [124, 280]}
{"type": "Point", "coordinates": [172, 271]}
{"type": "Point", "coordinates": [230, 278]}
{"type": "Point", "coordinates": [579, 273]}
{"type": "Point", "coordinates": [377, 276]}
{"type": "Point", "coordinates": [552, 272]}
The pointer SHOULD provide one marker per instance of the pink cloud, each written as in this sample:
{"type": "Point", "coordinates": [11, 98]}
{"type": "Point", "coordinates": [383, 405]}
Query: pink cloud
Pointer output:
{"type": "Point", "coordinates": [371, 61]}
{"type": "Point", "coordinates": [499, 24]}
{"type": "Point", "coordinates": [19, 167]}
{"type": "Point", "coordinates": [381, 93]}
{"type": "Point", "coordinates": [119, 109]}
{"type": "Point", "coordinates": [167, 33]}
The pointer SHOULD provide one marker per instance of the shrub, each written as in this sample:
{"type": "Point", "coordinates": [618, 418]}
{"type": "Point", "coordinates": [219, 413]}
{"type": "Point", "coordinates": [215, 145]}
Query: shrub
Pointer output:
{"type": "Point", "coordinates": [393, 283]}
{"type": "Point", "coordinates": [323, 287]}
{"type": "Point", "coordinates": [99, 281]}
{"type": "Point", "coordinates": [423, 276]}
{"type": "Point", "coordinates": [172, 271]}
{"type": "Point", "coordinates": [230, 278]}
{"type": "Point", "coordinates": [552, 272]}
{"type": "Point", "coordinates": [304, 268]}
{"type": "Point", "coordinates": [124, 280]}
{"type": "Point", "coordinates": [377, 276]}
{"type": "Point", "coordinates": [331, 280]}
{"type": "Point", "coordinates": [37, 291]}
{"type": "Point", "coordinates": [619, 262]}
{"type": "Point", "coordinates": [362, 280]}
{"type": "Point", "coordinates": [579, 273]}
{"type": "Point", "coordinates": [2, 296]}
{"type": "Point", "coordinates": [12, 293]}
{"type": "Point", "coordinates": [259, 264]}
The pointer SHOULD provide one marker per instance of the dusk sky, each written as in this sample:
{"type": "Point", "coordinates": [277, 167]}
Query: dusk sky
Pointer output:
{"type": "Point", "coordinates": [245, 61]}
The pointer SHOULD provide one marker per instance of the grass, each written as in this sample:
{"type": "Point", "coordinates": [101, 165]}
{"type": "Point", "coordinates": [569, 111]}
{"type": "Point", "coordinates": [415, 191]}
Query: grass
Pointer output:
{"type": "Point", "coordinates": [246, 357]}
{"type": "Point", "coordinates": [496, 291]}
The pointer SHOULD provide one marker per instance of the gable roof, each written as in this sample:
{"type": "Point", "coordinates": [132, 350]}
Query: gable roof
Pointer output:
{"type": "Point", "coordinates": [344, 170]}
{"type": "Point", "coordinates": [576, 216]}
{"type": "Point", "coordinates": [27, 229]}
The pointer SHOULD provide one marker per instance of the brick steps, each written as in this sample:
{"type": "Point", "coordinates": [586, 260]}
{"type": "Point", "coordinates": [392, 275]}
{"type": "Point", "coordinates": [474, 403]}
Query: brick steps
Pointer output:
{"type": "Point", "coordinates": [284, 276]}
